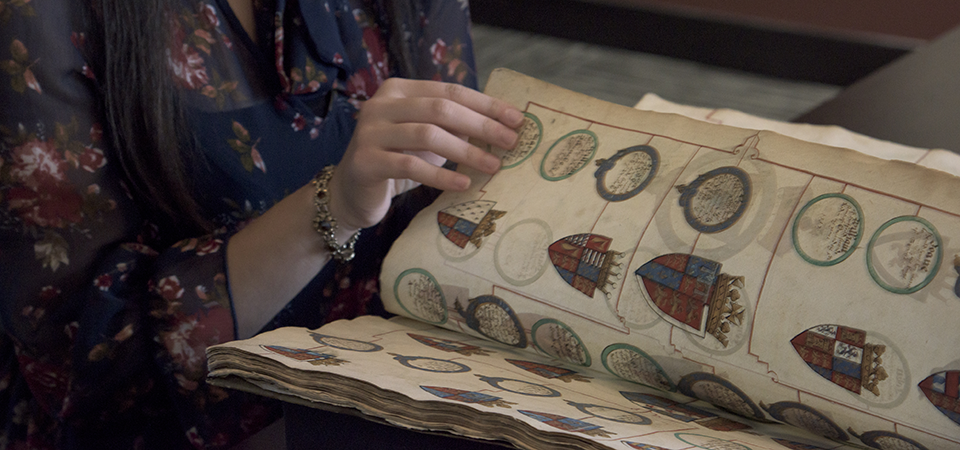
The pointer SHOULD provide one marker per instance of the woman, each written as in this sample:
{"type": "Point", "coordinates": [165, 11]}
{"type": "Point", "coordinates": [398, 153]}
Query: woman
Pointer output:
{"type": "Point", "coordinates": [156, 198]}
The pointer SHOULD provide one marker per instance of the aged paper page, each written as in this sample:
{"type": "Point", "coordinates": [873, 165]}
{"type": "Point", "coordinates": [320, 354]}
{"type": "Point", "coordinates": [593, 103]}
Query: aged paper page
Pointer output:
{"type": "Point", "coordinates": [783, 280]}
{"type": "Point", "coordinates": [422, 377]}
{"type": "Point", "coordinates": [940, 159]}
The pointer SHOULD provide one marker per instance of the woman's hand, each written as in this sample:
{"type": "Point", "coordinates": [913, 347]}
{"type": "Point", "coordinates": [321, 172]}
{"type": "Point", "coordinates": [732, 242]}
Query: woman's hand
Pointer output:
{"type": "Point", "coordinates": [405, 133]}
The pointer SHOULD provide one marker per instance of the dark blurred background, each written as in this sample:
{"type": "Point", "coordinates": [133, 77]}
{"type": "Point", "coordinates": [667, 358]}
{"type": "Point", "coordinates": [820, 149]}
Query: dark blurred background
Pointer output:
{"type": "Point", "coordinates": [774, 58]}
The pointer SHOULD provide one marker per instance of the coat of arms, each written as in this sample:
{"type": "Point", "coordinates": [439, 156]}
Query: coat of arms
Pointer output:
{"type": "Point", "coordinates": [586, 262]}
{"type": "Point", "coordinates": [843, 356]}
{"type": "Point", "coordinates": [469, 222]}
{"type": "Point", "coordinates": [690, 292]}
{"type": "Point", "coordinates": [943, 390]}
{"type": "Point", "coordinates": [449, 345]}
{"type": "Point", "coordinates": [548, 371]}
{"type": "Point", "coordinates": [310, 356]}
{"type": "Point", "coordinates": [568, 424]}
{"type": "Point", "coordinates": [460, 395]}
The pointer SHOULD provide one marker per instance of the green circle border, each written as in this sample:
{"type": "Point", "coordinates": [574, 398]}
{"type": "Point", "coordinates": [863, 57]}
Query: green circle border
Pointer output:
{"type": "Point", "coordinates": [396, 294]}
{"type": "Point", "coordinates": [936, 265]}
{"type": "Point", "coordinates": [853, 248]}
{"type": "Point", "coordinates": [593, 154]}
{"type": "Point", "coordinates": [542, 322]}
{"type": "Point", "coordinates": [614, 347]}
{"type": "Point", "coordinates": [539, 124]}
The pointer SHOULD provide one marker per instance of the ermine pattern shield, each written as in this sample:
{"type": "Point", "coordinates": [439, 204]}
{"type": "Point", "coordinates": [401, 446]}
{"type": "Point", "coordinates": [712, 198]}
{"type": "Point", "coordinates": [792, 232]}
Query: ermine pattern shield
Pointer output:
{"type": "Point", "coordinates": [469, 222]}
{"type": "Point", "coordinates": [843, 356]}
{"type": "Point", "coordinates": [585, 262]}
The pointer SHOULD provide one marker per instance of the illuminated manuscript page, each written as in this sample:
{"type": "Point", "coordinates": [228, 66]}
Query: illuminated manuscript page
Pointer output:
{"type": "Point", "coordinates": [418, 376]}
{"type": "Point", "coordinates": [779, 279]}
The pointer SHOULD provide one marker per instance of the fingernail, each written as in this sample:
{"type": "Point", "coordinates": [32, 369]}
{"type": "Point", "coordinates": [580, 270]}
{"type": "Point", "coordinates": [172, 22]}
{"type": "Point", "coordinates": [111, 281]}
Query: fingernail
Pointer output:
{"type": "Point", "coordinates": [491, 163]}
{"type": "Point", "coordinates": [513, 117]}
{"type": "Point", "coordinates": [462, 184]}
{"type": "Point", "coordinates": [509, 139]}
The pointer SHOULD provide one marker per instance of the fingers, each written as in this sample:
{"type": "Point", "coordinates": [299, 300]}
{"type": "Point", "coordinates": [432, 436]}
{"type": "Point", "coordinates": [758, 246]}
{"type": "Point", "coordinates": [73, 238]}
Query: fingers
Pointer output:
{"type": "Point", "coordinates": [454, 117]}
{"type": "Point", "coordinates": [408, 120]}
{"type": "Point", "coordinates": [481, 103]}
{"type": "Point", "coordinates": [419, 170]}
{"type": "Point", "coordinates": [415, 151]}
{"type": "Point", "coordinates": [422, 137]}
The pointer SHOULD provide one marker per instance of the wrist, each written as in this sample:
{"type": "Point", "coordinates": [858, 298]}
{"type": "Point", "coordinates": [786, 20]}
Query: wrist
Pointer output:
{"type": "Point", "coordinates": [340, 239]}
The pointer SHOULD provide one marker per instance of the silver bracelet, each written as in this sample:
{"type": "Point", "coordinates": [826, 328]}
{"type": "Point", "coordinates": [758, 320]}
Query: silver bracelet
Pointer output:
{"type": "Point", "coordinates": [325, 223]}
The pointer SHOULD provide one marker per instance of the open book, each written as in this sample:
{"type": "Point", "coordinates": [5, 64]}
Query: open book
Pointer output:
{"type": "Point", "coordinates": [633, 279]}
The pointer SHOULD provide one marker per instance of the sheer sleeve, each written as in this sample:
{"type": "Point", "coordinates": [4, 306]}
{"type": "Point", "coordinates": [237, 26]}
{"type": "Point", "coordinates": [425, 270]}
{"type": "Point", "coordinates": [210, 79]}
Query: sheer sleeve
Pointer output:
{"type": "Point", "coordinates": [104, 331]}
{"type": "Point", "coordinates": [104, 322]}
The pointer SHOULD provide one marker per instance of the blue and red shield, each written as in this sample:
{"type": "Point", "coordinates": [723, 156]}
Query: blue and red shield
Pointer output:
{"type": "Point", "coordinates": [585, 261]}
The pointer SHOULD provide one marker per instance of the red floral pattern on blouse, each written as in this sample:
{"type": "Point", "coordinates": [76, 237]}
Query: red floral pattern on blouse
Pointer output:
{"type": "Point", "coordinates": [106, 310]}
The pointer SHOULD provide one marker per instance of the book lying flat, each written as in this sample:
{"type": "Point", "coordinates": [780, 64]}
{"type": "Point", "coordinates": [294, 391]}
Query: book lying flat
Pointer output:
{"type": "Point", "coordinates": [633, 279]}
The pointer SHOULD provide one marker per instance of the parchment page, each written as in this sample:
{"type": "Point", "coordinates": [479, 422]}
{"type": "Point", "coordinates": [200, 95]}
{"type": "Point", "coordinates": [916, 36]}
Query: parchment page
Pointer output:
{"type": "Point", "coordinates": [780, 279]}
{"type": "Point", "coordinates": [423, 377]}
{"type": "Point", "coordinates": [940, 159]}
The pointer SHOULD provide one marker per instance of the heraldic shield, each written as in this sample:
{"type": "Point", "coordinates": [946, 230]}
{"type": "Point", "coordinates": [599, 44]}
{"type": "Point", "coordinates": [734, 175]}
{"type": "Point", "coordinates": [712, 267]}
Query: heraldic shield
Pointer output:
{"type": "Point", "coordinates": [843, 356]}
{"type": "Point", "coordinates": [943, 390]}
{"type": "Point", "coordinates": [690, 292]}
{"type": "Point", "coordinates": [586, 262]}
{"type": "Point", "coordinates": [469, 222]}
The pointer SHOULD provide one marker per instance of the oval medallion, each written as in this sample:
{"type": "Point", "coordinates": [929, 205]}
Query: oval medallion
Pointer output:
{"type": "Point", "coordinates": [632, 364]}
{"type": "Point", "coordinates": [720, 393]}
{"type": "Point", "coordinates": [904, 255]}
{"type": "Point", "coordinates": [420, 295]}
{"type": "Point", "coordinates": [559, 341]}
{"type": "Point", "coordinates": [530, 134]}
{"type": "Point", "coordinates": [828, 229]}
{"type": "Point", "coordinates": [520, 387]}
{"type": "Point", "coordinates": [492, 317]}
{"type": "Point", "coordinates": [715, 200]}
{"type": "Point", "coordinates": [345, 344]}
{"type": "Point", "coordinates": [568, 155]}
{"type": "Point", "coordinates": [627, 173]}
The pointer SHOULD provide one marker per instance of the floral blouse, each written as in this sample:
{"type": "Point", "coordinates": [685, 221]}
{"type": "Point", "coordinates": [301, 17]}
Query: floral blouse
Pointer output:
{"type": "Point", "coordinates": [105, 316]}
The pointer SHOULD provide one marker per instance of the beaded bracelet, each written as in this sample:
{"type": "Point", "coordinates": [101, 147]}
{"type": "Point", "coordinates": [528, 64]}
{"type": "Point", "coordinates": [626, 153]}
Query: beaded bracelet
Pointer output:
{"type": "Point", "coordinates": [325, 223]}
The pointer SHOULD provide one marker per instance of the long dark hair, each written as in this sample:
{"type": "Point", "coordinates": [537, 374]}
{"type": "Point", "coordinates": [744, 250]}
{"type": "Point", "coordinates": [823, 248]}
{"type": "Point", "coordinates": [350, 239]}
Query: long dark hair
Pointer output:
{"type": "Point", "coordinates": [143, 116]}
